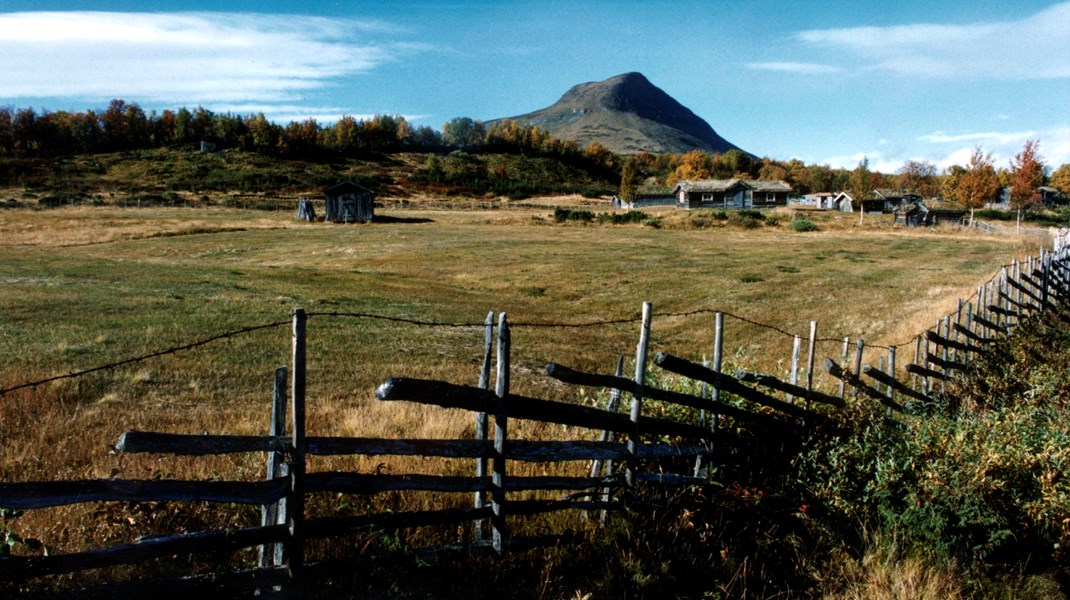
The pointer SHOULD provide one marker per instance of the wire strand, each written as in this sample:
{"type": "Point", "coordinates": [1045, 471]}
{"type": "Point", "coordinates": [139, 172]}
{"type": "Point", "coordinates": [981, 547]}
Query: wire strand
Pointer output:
{"type": "Point", "coordinates": [142, 358]}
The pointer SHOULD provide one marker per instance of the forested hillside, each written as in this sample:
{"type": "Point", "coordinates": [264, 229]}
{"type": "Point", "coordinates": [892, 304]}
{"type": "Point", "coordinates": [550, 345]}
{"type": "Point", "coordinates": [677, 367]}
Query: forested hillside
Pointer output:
{"type": "Point", "coordinates": [74, 154]}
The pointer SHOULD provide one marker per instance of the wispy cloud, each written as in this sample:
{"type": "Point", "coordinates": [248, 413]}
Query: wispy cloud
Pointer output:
{"type": "Point", "coordinates": [795, 67]}
{"type": "Point", "coordinates": [1037, 47]}
{"type": "Point", "coordinates": [945, 149]}
{"type": "Point", "coordinates": [186, 57]}
{"type": "Point", "coordinates": [941, 137]}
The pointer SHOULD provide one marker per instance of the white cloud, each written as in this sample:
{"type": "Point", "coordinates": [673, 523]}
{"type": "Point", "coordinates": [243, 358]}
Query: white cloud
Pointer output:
{"type": "Point", "coordinates": [795, 67]}
{"type": "Point", "coordinates": [1037, 47]}
{"type": "Point", "coordinates": [202, 58]}
{"type": "Point", "coordinates": [944, 150]}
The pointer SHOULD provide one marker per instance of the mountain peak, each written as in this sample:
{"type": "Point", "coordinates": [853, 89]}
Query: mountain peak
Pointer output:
{"type": "Point", "coordinates": [627, 114]}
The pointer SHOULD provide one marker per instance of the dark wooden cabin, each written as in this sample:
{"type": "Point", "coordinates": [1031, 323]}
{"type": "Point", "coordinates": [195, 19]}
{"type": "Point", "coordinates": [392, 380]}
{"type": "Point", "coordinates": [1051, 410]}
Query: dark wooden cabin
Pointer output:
{"type": "Point", "coordinates": [348, 202]}
{"type": "Point", "coordinates": [731, 193]}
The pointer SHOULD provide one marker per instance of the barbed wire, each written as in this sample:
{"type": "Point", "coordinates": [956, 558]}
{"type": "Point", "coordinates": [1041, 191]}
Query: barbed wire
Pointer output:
{"type": "Point", "coordinates": [142, 358]}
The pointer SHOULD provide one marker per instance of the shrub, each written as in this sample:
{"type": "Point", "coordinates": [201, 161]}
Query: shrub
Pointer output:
{"type": "Point", "coordinates": [744, 219]}
{"type": "Point", "coordinates": [562, 215]}
{"type": "Point", "coordinates": [802, 225]}
{"type": "Point", "coordinates": [632, 216]}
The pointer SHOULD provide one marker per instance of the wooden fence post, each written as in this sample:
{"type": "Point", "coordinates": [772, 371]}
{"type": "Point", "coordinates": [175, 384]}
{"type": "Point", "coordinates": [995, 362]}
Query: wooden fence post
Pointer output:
{"type": "Point", "coordinates": [637, 396]}
{"type": "Point", "coordinates": [810, 362]}
{"type": "Point", "coordinates": [499, 532]}
{"type": "Point", "coordinates": [295, 503]}
{"type": "Point", "coordinates": [846, 355]}
{"type": "Point", "coordinates": [944, 328]}
{"type": "Point", "coordinates": [796, 344]}
{"type": "Point", "coordinates": [1045, 281]}
{"type": "Point", "coordinates": [482, 421]}
{"type": "Point", "coordinates": [858, 363]}
{"type": "Point", "coordinates": [608, 436]}
{"type": "Point", "coordinates": [275, 513]}
{"type": "Point", "coordinates": [718, 359]}
{"type": "Point", "coordinates": [959, 355]}
{"type": "Point", "coordinates": [891, 373]}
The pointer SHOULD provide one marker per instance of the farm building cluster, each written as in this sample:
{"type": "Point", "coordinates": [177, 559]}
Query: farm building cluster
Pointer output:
{"type": "Point", "coordinates": [909, 208]}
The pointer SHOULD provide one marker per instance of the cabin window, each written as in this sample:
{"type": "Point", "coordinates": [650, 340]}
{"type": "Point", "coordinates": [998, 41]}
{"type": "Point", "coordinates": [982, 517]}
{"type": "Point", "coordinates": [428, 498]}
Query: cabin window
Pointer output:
{"type": "Point", "coordinates": [770, 198]}
{"type": "Point", "coordinates": [707, 197]}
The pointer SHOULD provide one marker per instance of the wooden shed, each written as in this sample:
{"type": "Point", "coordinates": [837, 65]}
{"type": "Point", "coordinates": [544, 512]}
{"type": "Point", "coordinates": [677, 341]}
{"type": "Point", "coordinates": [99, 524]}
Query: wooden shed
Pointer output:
{"type": "Point", "coordinates": [348, 202]}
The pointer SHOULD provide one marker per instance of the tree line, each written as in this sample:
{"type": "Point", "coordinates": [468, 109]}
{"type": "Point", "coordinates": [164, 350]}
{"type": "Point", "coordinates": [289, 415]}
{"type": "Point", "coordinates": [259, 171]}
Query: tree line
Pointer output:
{"type": "Point", "coordinates": [123, 126]}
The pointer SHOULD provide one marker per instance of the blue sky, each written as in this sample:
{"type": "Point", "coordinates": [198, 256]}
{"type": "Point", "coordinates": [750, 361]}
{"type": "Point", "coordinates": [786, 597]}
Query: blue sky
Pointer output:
{"type": "Point", "coordinates": [825, 82]}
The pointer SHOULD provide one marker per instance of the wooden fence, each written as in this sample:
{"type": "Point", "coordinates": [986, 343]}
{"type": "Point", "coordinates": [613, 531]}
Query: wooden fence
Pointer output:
{"type": "Point", "coordinates": [625, 448]}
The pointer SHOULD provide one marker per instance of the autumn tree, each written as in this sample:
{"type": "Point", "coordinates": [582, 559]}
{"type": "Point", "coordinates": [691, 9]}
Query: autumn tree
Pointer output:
{"type": "Point", "coordinates": [738, 163]}
{"type": "Point", "coordinates": [629, 179]}
{"type": "Point", "coordinates": [1026, 177]}
{"type": "Point", "coordinates": [919, 177]}
{"type": "Point", "coordinates": [979, 184]}
{"type": "Point", "coordinates": [860, 185]}
{"type": "Point", "coordinates": [951, 181]}
{"type": "Point", "coordinates": [463, 132]}
{"type": "Point", "coordinates": [1060, 179]}
{"type": "Point", "coordinates": [694, 165]}
{"type": "Point", "coordinates": [772, 170]}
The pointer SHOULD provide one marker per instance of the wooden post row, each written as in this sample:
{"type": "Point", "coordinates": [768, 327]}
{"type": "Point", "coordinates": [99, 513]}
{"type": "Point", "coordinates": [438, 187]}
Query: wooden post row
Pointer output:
{"type": "Point", "coordinates": [482, 421]}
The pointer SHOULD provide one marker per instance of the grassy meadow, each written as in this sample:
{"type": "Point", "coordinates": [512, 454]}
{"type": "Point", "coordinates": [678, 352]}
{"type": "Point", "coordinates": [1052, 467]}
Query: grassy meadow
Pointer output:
{"type": "Point", "coordinates": [88, 286]}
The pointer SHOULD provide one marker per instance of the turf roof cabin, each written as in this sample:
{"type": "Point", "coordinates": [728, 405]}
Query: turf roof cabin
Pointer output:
{"type": "Point", "coordinates": [731, 193]}
{"type": "Point", "coordinates": [348, 202]}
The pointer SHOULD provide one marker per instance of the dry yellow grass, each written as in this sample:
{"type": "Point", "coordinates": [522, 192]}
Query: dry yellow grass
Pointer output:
{"type": "Point", "coordinates": [88, 286]}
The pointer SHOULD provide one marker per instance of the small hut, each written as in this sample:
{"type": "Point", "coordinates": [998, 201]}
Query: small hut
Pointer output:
{"type": "Point", "coordinates": [348, 202]}
{"type": "Point", "coordinates": [305, 211]}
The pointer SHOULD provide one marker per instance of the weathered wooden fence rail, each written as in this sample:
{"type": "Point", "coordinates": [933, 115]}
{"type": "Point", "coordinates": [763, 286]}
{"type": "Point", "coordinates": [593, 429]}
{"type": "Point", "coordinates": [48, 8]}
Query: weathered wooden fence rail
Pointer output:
{"type": "Point", "coordinates": [626, 449]}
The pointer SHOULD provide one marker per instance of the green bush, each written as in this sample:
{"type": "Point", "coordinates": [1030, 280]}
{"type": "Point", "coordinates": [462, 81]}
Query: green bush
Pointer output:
{"type": "Point", "coordinates": [562, 215]}
{"type": "Point", "coordinates": [744, 219]}
{"type": "Point", "coordinates": [802, 225]}
{"type": "Point", "coordinates": [632, 216]}
{"type": "Point", "coordinates": [977, 479]}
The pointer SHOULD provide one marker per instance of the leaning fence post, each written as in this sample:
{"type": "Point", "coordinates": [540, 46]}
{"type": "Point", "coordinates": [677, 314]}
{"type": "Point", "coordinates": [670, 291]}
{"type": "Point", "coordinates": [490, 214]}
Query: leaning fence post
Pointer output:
{"type": "Point", "coordinates": [810, 362]}
{"type": "Point", "coordinates": [481, 422]}
{"type": "Point", "coordinates": [637, 395]}
{"type": "Point", "coordinates": [295, 503]}
{"type": "Point", "coordinates": [501, 425]}
{"type": "Point", "coordinates": [274, 513]}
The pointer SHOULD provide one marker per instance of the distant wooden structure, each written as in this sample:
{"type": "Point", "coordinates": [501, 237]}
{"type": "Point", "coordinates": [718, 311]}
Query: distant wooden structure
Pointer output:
{"type": "Point", "coordinates": [916, 214]}
{"type": "Point", "coordinates": [305, 210]}
{"type": "Point", "coordinates": [646, 196]}
{"type": "Point", "coordinates": [731, 193]}
{"type": "Point", "coordinates": [348, 202]}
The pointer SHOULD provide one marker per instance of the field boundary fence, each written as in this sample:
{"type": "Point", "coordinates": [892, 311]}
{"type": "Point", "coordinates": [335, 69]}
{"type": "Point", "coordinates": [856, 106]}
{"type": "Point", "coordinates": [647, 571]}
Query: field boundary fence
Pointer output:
{"type": "Point", "coordinates": [613, 449]}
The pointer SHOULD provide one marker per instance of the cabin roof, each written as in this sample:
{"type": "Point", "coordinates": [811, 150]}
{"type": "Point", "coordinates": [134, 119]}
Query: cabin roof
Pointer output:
{"type": "Point", "coordinates": [344, 188]}
{"type": "Point", "coordinates": [723, 185]}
